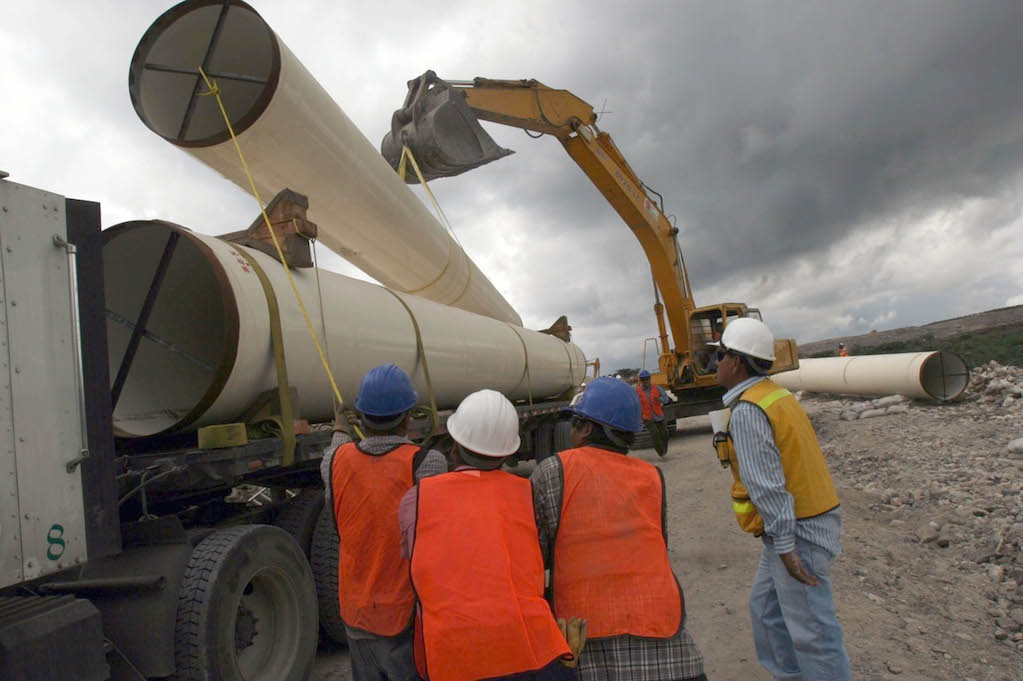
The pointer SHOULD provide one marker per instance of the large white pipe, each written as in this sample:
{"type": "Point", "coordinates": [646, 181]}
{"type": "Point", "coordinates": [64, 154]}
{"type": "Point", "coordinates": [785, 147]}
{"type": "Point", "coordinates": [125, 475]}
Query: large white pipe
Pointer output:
{"type": "Point", "coordinates": [206, 353]}
{"type": "Point", "coordinates": [295, 136]}
{"type": "Point", "coordinates": [926, 375]}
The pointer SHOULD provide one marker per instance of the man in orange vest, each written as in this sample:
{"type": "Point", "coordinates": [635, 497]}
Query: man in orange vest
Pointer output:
{"type": "Point", "coordinates": [842, 352]}
{"type": "Point", "coordinates": [365, 482]}
{"type": "Point", "coordinates": [601, 516]}
{"type": "Point", "coordinates": [782, 492]}
{"type": "Point", "coordinates": [476, 566]}
{"type": "Point", "coordinates": [652, 400]}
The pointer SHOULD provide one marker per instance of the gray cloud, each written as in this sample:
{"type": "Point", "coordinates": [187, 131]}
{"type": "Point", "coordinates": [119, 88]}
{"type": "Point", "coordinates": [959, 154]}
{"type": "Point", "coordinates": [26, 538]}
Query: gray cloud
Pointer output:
{"type": "Point", "coordinates": [839, 164]}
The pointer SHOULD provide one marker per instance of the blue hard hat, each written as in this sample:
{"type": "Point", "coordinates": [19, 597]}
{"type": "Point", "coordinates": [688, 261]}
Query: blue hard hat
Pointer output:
{"type": "Point", "coordinates": [386, 391]}
{"type": "Point", "coordinates": [644, 374]}
{"type": "Point", "coordinates": [612, 403]}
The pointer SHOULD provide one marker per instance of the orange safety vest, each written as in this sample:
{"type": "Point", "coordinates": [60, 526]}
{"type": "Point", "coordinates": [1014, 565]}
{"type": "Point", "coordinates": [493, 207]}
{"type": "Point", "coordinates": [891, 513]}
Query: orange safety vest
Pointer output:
{"type": "Point", "coordinates": [374, 589]}
{"type": "Point", "coordinates": [652, 404]}
{"type": "Point", "coordinates": [843, 353]}
{"type": "Point", "coordinates": [479, 576]}
{"type": "Point", "coordinates": [611, 562]}
{"type": "Point", "coordinates": [807, 477]}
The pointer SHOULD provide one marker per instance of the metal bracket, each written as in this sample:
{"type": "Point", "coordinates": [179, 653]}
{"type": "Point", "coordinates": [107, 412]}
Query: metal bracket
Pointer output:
{"type": "Point", "coordinates": [73, 463]}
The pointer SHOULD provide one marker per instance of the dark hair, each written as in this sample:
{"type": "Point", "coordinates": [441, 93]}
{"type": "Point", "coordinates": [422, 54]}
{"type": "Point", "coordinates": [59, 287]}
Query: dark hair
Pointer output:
{"type": "Point", "coordinates": [757, 366]}
{"type": "Point", "coordinates": [598, 437]}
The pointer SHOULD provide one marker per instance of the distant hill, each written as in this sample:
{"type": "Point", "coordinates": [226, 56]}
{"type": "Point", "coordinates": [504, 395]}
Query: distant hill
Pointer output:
{"type": "Point", "coordinates": [978, 338]}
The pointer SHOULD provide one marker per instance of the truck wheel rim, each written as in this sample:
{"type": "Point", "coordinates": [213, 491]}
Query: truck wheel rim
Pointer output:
{"type": "Point", "coordinates": [267, 626]}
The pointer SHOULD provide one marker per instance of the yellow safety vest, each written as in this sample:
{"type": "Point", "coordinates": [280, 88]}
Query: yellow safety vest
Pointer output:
{"type": "Point", "coordinates": [806, 471]}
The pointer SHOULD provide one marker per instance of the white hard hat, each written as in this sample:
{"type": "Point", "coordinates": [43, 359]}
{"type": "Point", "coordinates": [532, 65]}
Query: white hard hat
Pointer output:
{"type": "Point", "coordinates": [487, 424]}
{"type": "Point", "coordinates": [750, 337]}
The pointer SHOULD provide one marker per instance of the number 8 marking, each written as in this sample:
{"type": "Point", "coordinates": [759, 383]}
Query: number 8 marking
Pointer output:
{"type": "Point", "coordinates": [55, 539]}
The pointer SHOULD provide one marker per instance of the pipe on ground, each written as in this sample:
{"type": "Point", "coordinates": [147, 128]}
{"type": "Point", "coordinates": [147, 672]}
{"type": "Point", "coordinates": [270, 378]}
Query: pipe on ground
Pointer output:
{"type": "Point", "coordinates": [295, 136]}
{"type": "Point", "coordinates": [206, 354]}
{"type": "Point", "coordinates": [925, 375]}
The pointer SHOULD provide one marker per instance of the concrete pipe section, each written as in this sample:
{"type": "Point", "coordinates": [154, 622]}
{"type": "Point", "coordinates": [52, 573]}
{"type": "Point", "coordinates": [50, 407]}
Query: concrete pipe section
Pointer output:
{"type": "Point", "coordinates": [925, 375]}
{"type": "Point", "coordinates": [205, 353]}
{"type": "Point", "coordinates": [295, 136]}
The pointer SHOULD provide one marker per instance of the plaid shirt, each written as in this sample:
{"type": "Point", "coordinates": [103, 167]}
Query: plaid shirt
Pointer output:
{"type": "Point", "coordinates": [618, 658]}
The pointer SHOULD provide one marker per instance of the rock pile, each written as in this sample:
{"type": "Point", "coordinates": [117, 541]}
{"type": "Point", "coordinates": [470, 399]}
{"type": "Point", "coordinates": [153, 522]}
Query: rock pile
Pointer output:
{"type": "Point", "coordinates": [951, 474]}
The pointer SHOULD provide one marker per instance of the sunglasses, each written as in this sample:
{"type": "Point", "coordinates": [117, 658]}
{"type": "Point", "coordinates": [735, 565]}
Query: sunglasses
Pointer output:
{"type": "Point", "coordinates": [721, 354]}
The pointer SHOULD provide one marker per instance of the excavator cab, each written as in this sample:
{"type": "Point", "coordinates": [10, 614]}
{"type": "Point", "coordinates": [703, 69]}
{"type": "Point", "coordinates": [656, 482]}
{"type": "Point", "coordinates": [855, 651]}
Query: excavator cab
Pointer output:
{"type": "Point", "coordinates": [445, 137]}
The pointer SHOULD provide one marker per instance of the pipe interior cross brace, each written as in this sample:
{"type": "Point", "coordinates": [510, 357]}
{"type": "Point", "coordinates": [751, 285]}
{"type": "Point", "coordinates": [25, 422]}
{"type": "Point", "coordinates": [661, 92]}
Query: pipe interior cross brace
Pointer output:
{"type": "Point", "coordinates": [143, 318]}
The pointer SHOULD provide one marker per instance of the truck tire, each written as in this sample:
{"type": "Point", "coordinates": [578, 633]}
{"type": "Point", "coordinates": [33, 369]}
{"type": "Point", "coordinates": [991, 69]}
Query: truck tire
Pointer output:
{"type": "Point", "coordinates": [543, 442]}
{"type": "Point", "coordinates": [323, 557]}
{"type": "Point", "coordinates": [562, 436]}
{"type": "Point", "coordinates": [246, 609]}
{"type": "Point", "coordinates": [299, 514]}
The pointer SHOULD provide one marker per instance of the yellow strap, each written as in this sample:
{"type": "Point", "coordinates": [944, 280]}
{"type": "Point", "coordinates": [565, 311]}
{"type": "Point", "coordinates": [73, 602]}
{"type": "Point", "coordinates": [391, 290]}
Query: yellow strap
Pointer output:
{"type": "Point", "coordinates": [422, 357]}
{"type": "Point", "coordinates": [773, 397]}
{"type": "Point", "coordinates": [277, 336]}
{"type": "Point", "coordinates": [215, 90]}
{"type": "Point", "coordinates": [743, 507]}
{"type": "Point", "coordinates": [406, 155]}
{"type": "Point", "coordinates": [525, 353]}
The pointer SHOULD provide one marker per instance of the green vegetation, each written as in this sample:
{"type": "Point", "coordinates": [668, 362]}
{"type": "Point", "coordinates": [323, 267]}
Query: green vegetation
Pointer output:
{"type": "Point", "coordinates": [1003, 346]}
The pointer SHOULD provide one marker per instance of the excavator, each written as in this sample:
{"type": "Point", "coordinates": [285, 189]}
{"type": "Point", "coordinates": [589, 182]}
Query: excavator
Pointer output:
{"type": "Point", "coordinates": [439, 124]}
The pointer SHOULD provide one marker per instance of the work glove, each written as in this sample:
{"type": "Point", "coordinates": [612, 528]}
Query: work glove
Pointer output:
{"type": "Point", "coordinates": [574, 631]}
{"type": "Point", "coordinates": [344, 419]}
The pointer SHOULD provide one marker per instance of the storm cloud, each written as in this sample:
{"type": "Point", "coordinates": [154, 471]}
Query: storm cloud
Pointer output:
{"type": "Point", "coordinates": [843, 166]}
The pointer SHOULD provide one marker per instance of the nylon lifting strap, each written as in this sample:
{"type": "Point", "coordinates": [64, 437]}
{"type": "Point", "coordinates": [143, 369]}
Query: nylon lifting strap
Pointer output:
{"type": "Point", "coordinates": [421, 355]}
{"type": "Point", "coordinates": [214, 90]}
{"type": "Point", "coordinates": [277, 336]}
{"type": "Point", "coordinates": [406, 155]}
{"type": "Point", "coordinates": [525, 370]}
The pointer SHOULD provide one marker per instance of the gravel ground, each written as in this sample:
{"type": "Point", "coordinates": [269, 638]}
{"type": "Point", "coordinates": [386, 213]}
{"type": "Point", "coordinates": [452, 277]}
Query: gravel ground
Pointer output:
{"type": "Point", "coordinates": [929, 582]}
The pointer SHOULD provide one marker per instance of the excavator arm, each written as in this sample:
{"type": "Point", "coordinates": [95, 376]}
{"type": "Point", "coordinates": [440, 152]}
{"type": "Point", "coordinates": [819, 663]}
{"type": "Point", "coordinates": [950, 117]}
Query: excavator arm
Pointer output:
{"type": "Point", "coordinates": [433, 123]}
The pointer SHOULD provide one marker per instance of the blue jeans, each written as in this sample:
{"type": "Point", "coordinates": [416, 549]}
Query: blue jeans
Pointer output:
{"type": "Point", "coordinates": [795, 629]}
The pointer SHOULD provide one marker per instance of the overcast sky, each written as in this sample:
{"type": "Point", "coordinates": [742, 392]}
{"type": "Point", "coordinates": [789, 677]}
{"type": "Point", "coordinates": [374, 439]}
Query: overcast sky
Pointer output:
{"type": "Point", "coordinates": [843, 166]}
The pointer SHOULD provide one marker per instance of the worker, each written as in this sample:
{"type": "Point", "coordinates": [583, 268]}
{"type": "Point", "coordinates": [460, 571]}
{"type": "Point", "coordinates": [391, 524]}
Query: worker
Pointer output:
{"type": "Point", "coordinates": [652, 400]}
{"type": "Point", "coordinates": [365, 482]}
{"type": "Point", "coordinates": [601, 515]}
{"type": "Point", "coordinates": [842, 352]}
{"type": "Point", "coordinates": [476, 565]}
{"type": "Point", "coordinates": [579, 393]}
{"type": "Point", "coordinates": [783, 492]}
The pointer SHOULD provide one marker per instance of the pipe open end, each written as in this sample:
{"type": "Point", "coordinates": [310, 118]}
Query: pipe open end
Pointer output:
{"type": "Point", "coordinates": [234, 47]}
{"type": "Point", "coordinates": [167, 296]}
{"type": "Point", "coordinates": [944, 375]}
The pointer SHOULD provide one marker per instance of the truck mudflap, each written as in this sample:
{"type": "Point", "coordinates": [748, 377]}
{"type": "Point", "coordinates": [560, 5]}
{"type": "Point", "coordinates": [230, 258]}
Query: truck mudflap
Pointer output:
{"type": "Point", "coordinates": [443, 133]}
{"type": "Point", "coordinates": [51, 637]}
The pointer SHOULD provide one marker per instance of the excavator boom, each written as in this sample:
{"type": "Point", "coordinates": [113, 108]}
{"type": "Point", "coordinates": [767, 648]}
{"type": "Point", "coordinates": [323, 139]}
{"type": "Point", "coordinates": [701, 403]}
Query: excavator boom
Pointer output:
{"type": "Point", "coordinates": [439, 123]}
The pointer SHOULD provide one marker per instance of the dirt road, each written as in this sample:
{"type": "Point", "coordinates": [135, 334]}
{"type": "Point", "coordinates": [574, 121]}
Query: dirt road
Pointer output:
{"type": "Point", "coordinates": [907, 612]}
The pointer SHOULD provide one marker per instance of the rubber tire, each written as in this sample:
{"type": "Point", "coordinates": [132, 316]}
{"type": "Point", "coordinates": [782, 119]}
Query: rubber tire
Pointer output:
{"type": "Point", "coordinates": [323, 556]}
{"type": "Point", "coordinates": [299, 514]}
{"type": "Point", "coordinates": [562, 436]}
{"type": "Point", "coordinates": [543, 442]}
{"type": "Point", "coordinates": [218, 572]}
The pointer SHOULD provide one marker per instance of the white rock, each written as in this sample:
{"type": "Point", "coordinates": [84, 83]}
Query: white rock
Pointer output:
{"type": "Point", "coordinates": [897, 409]}
{"type": "Point", "coordinates": [849, 415]}
{"type": "Point", "coordinates": [891, 399]}
{"type": "Point", "coordinates": [1016, 445]}
{"type": "Point", "coordinates": [871, 413]}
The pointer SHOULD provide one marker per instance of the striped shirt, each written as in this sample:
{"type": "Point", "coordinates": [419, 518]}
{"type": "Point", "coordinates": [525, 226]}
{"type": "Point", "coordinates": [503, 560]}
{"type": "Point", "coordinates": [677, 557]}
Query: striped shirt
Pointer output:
{"type": "Point", "coordinates": [761, 472]}
{"type": "Point", "coordinates": [617, 658]}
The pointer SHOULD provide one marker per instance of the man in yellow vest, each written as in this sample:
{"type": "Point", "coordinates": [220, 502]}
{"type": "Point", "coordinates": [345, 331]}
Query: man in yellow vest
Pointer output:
{"type": "Point", "coordinates": [601, 515]}
{"type": "Point", "coordinates": [475, 560]}
{"type": "Point", "coordinates": [783, 493]}
{"type": "Point", "coordinates": [365, 482]}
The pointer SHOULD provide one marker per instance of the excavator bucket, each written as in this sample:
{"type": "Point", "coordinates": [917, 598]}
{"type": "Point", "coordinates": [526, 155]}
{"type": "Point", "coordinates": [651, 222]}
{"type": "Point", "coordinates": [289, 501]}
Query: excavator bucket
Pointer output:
{"type": "Point", "coordinates": [440, 129]}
